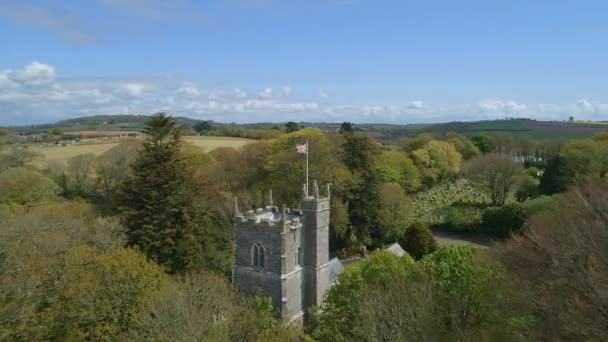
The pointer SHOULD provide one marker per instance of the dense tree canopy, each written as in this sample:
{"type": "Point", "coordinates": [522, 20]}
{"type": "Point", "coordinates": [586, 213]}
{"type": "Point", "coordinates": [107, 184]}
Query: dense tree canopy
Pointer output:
{"type": "Point", "coordinates": [159, 210]}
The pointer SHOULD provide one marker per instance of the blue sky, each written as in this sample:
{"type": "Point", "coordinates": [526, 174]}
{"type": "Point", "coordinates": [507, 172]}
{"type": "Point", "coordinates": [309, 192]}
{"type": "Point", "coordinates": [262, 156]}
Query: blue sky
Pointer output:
{"type": "Point", "coordinates": [320, 60]}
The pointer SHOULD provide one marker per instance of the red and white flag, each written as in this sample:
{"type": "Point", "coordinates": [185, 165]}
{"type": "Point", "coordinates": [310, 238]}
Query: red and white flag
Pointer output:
{"type": "Point", "coordinates": [302, 148]}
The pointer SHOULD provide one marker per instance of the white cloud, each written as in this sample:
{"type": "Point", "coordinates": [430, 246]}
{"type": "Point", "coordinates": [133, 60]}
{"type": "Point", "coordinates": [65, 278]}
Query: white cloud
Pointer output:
{"type": "Point", "coordinates": [287, 91]}
{"type": "Point", "coordinates": [35, 93]}
{"type": "Point", "coordinates": [494, 106]}
{"type": "Point", "coordinates": [130, 89]}
{"type": "Point", "coordinates": [323, 94]}
{"type": "Point", "coordinates": [33, 74]}
{"type": "Point", "coordinates": [416, 104]}
{"type": "Point", "coordinates": [266, 93]}
{"type": "Point", "coordinates": [586, 105]}
{"type": "Point", "coordinates": [188, 91]}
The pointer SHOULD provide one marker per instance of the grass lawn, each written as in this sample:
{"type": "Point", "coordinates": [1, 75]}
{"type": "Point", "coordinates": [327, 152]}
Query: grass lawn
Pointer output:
{"type": "Point", "coordinates": [209, 143]}
{"type": "Point", "coordinates": [65, 152]}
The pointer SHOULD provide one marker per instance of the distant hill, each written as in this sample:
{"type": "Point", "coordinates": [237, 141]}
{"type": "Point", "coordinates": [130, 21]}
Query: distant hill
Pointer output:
{"type": "Point", "coordinates": [100, 122]}
{"type": "Point", "coordinates": [387, 132]}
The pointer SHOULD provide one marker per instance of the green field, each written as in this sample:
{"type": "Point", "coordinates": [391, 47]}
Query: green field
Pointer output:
{"type": "Point", "coordinates": [66, 152]}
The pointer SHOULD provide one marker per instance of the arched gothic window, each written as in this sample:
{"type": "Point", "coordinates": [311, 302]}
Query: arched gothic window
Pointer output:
{"type": "Point", "coordinates": [258, 257]}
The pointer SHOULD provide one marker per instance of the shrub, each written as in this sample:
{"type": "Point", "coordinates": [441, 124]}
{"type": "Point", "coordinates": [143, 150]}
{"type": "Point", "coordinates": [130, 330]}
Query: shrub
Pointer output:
{"type": "Point", "coordinates": [418, 241]}
{"type": "Point", "coordinates": [503, 221]}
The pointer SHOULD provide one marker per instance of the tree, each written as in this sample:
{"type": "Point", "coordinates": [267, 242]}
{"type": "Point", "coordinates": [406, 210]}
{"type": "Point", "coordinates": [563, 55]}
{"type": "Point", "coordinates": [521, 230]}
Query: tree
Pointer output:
{"type": "Point", "coordinates": [79, 169]}
{"type": "Point", "coordinates": [495, 174]}
{"type": "Point", "coordinates": [346, 127]}
{"type": "Point", "coordinates": [601, 139]}
{"type": "Point", "coordinates": [452, 293]}
{"type": "Point", "coordinates": [418, 241]}
{"type": "Point", "coordinates": [113, 166]}
{"type": "Point", "coordinates": [484, 143]}
{"type": "Point", "coordinates": [504, 221]}
{"type": "Point", "coordinates": [93, 295]}
{"type": "Point", "coordinates": [394, 213]}
{"type": "Point", "coordinates": [337, 319]}
{"type": "Point", "coordinates": [503, 143]}
{"type": "Point", "coordinates": [420, 141]}
{"type": "Point", "coordinates": [557, 177]}
{"type": "Point", "coordinates": [291, 127]}
{"type": "Point", "coordinates": [560, 266]}
{"type": "Point", "coordinates": [464, 146]}
{"type": "Point", "coordinates": [582, 157]}
{"type": "Point", "coordinates": [527, 187]}
{"type": "Point", "coordinates": [203, 126]}
{"type": "Point", "coordinates": [25, 187]}
{"type": "Point", "coordinates": [17, 158]}
{"type": "Point", "coordinates": [437, 160]}
{"type": "Point", "coordinates": [397, 167]}
{"type": "Point", "coordinates": [358, 154]}
{"type": "Point", "coordinates": [159, 210]}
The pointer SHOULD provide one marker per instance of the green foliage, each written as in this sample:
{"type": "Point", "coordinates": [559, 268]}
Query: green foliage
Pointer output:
{"type": "Point", "coordinates": [203, 126]}
{"type": "Point", "coordinates": [358, 153]}
{"type": "Point", "coordinates": [527, 187]}
{"type": "Point", "coordinates": [464, 146]}
{"type": "Point", "coordinates": [451, 293]}
{"type": "Point", "coordinates": [504, 221]}
{"type": "Point", "coordinates": [17, 157]}
{"type": "Point", "coordinates": [582, 157]}
{"type": "Point", "coordinates": [159, 210]}
{"type": "Point", "coordinates": [461, 218]}
{"type": "Point", "coordinates": [397, 167]}
{"type": "Point", "coordinates": [437, 160]}
{"type": "Point", "coordinates": [24, 187]}
{"type": "Point", "coordinates": [93, 295]}
{"type": "Point", "coordinates": [291, 127]}
{"type": "Point", "coordinates": [346, 127]}
{"type": "Point", "coordinates": [557, 177]}
{"type": "Point", "coordinates": [394, 210]}
{"type": "Point", "coordinates": [495, 174]}
{"type": "Point", "coordinates": [484, 142]}
{"type": "Point", "coordinates": [339, 310]}
{"type": "Point", "coordinates": [418, 241]}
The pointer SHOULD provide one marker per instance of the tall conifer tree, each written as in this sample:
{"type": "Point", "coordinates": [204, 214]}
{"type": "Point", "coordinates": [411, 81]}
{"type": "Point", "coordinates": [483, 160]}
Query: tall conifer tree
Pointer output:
{"type": "Point", "coordinates": [158, 203]}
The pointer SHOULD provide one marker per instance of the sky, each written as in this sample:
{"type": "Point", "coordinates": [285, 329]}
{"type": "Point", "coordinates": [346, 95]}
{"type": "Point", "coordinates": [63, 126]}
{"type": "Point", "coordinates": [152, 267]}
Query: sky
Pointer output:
{"type": "Point", "coordinates": [406, 61]}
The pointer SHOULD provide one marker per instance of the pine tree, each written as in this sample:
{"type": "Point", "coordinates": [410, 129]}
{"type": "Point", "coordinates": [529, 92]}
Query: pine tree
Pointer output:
{"type": "Point", "coordinates": [158, 203]}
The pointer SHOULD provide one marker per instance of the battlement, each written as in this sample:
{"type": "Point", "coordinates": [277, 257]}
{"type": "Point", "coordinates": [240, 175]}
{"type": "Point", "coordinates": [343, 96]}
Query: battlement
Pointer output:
{"type": "Point", "coordinates": [315, 196]}
{"type": "Point", "coordinates": [269, 216]}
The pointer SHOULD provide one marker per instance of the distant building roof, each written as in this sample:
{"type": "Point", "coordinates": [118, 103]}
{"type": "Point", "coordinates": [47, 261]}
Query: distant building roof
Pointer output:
{"type": "Point", "coordinates": [335, 269]}
{"type": "Point", "coordinates": [396, 249]}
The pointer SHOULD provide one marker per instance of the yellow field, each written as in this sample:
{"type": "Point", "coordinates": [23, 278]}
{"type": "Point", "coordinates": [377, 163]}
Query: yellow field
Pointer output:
{"type": "Point", "coordinates": [209, 143]}
{"type": "Point", "coordinates": [66, 152]}
{"type": "Point", "coordinates": [599, 123]}
{"type": "Point", "coordinates": [103, 133]}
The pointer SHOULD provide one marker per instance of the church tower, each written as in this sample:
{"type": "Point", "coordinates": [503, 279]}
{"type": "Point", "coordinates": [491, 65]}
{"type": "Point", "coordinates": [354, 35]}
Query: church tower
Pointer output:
{"type": "Point", "coordinates": [315, 238]}
{"type": "Point", "coordinates": [284, 254]}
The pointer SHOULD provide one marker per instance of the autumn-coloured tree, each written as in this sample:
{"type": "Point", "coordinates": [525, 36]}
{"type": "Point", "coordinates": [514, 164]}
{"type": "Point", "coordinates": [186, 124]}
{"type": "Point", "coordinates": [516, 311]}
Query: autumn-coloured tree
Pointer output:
{"type": "Point", "coordinates": [560, 265]}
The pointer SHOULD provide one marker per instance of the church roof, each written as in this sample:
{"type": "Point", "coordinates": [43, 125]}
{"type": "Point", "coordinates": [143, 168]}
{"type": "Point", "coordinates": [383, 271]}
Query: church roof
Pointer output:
{"type": "Point", "coordinates": [396, 249]}
{"type": "Point", "coordinates": [335, 269]}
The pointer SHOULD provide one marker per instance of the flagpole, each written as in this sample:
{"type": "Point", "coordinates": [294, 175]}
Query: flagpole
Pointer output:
{"type": "Point", "coordinates": [307, 149]}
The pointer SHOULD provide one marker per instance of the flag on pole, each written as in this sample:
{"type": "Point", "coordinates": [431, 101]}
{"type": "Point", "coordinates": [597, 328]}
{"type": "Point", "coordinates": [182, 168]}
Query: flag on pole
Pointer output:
{"type": "Point", "coordinates": [302, 148]}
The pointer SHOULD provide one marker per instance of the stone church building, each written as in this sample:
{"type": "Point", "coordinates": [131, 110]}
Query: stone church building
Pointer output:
{"type": "Point", "coordinates": [284, 254]}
